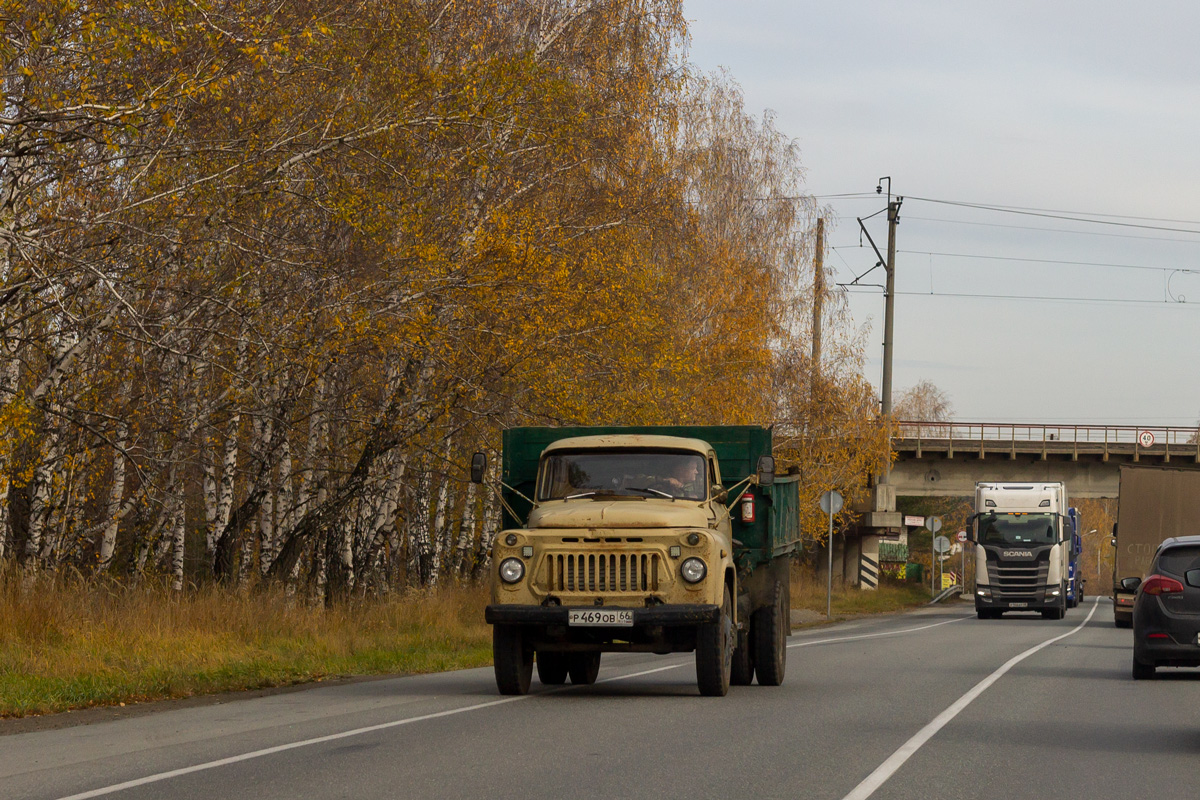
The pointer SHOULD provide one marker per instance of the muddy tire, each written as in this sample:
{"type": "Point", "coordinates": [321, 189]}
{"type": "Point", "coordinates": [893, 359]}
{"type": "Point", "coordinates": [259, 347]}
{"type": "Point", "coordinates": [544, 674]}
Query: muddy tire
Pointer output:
{"type": "Point", "coordinates": [742, 671]}
{"type": "Point", "coordinates": [715, 642]}
{"type": "Point", "coordinates": [512, 659]}
{"type": "Point", "coordinates": [583, 668]}
{"type": "Point", "coordinates": [769, 630]}
{"type": "Point", "coordinates": [552, 668]}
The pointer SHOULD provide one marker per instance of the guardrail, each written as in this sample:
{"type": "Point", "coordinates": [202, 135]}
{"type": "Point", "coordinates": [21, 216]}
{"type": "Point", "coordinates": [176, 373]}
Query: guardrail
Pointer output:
{"type": "Point", "coordinates": [1057, 437]}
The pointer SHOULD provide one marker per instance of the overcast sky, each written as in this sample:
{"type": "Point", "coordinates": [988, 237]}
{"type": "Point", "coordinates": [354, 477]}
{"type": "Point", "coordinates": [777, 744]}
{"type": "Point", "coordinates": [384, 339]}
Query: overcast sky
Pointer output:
{"type": "Point", "coordinates": [1072, 109]}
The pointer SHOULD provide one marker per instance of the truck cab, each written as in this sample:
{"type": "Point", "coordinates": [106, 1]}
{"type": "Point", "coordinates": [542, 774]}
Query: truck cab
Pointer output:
{"type": "Point", "coordinates": [1022, 541]}
{"type": "Point", "coordinates": [633, 540]}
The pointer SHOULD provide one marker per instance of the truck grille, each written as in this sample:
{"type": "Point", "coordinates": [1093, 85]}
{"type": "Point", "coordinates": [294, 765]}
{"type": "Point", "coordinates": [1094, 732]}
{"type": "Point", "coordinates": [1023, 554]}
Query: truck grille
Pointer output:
{"type": "Point", "coordinates": [1018, 580]}
{"type": "Point", "coordinates": [601, 572]}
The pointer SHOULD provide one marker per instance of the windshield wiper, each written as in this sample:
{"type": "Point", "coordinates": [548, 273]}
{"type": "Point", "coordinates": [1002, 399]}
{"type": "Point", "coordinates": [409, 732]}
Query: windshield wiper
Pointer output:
{"type": "Point", "coordinates": [650, 491]}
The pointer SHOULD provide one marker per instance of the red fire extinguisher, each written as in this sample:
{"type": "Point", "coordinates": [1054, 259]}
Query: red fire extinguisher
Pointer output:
{"type": "Point", "coordinates": [747, 507]}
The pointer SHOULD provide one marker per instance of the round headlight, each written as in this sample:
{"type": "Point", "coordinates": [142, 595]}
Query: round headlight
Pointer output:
{"type": "Point", "coordinates": [512, 570]}
{"type": "Point", "coordinates": [511, 539]}
{"type": "Point", "coordinates": [693, 570]}
{"type": "Point", "coordinates": [693, 538]}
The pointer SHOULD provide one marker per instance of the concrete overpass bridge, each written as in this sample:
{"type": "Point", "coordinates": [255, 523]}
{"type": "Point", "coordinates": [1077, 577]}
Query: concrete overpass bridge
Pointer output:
{"type": "Point", "coordinates": [946, 459]}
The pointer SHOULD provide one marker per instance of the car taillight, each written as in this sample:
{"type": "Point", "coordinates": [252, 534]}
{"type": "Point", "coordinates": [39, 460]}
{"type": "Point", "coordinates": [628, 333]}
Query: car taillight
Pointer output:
{"type": "Point", "coordinates": [1161, 584]}
{"type": "Point", "coordinates": [1157, 636]}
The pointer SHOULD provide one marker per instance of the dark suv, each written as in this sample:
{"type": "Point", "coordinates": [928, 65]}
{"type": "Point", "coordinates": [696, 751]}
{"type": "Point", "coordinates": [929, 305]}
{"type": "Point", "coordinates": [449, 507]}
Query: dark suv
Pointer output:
{"type": "Point", "coordinates": [1166, 611]}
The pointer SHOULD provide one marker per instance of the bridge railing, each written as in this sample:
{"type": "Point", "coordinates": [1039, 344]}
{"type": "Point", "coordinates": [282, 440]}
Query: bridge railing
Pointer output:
{"type": "Point", "coordinates": [1171, 439]}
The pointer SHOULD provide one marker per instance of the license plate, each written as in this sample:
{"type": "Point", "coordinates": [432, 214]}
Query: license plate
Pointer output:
{"type": "Point", "coordinates": [1018, 605]}
{"type": "Point", "coordinates": [606, 617]}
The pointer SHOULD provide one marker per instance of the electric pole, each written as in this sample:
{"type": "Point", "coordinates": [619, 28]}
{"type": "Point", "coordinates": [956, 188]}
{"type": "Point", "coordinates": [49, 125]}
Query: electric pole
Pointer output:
{"type": "Point", "coordinates": [889, 306]}
{"type": "Point", "coordinates": [818, 303]}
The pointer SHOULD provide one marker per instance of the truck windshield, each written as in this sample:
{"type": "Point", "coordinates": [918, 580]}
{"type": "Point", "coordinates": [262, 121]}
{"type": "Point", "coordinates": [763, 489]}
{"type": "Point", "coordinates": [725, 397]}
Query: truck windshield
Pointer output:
{"type": "Point", "coordinates": [641, 473]}
{"type": "Point", "coordinates": [1006, 529]}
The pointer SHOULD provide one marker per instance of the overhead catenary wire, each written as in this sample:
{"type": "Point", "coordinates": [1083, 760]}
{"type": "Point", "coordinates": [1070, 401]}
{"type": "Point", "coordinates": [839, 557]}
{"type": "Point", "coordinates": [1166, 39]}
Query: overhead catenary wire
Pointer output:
{"type": "Point", "coordinates": [1020, 259]}
{"type": "Point", "coordinates": [1041, 298]}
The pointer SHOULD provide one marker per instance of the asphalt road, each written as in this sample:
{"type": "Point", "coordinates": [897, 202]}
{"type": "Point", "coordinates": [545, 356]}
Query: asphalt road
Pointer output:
{"type": "Point", "coordinates": [931, 704]}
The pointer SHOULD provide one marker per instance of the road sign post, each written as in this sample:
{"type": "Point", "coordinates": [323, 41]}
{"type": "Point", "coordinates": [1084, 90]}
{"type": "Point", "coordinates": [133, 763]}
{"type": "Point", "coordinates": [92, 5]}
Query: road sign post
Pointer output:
{"type": "Point", "coordinates": [831, 503]}
{"type": "Point", "coordinates": [962, 539]}
{"type": "Point", "coordinates": [933, 525]}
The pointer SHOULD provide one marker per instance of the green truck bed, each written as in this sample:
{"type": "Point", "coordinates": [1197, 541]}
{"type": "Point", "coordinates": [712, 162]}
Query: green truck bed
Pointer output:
{"type": "Point", "coordinates": [738, 447]}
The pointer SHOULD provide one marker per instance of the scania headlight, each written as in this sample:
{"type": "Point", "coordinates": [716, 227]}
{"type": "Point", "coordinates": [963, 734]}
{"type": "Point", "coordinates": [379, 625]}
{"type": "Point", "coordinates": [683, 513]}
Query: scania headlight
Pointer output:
{"type": "Point", "coordinates": [512, 570]}
{"type": "Point", "coordinates": [693, 570]}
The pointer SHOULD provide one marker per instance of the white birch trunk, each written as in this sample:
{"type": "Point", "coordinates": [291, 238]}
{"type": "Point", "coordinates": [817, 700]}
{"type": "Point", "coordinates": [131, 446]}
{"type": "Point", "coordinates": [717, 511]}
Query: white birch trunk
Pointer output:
{"type": "Point", "coordinates": [491, 514]}
{"type": "Point", "coordinates": [43, 479]}
{"type": "Point", "coordinates": [441, 535]}
{"type": "Point", "coordinates": [420, 548]}
{"type": "Point", "coordinates": [466, 532]}
{"type": "Point", "coordinates": [116, 494]}
{"type": "Point", "coordinates": [178, 538]}
{"type": "Point", "coordinates": [224, 505]}
{"type": "Point", "coordinates": [284, 504]}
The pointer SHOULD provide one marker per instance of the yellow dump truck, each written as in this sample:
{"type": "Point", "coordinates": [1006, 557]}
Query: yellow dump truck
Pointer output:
{"type": "Point", "coordinates": [657, 539]}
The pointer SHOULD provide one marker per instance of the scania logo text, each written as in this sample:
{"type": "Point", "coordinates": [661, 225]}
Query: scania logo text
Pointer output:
{"type": "Point", "coordinates": [1018, 554]}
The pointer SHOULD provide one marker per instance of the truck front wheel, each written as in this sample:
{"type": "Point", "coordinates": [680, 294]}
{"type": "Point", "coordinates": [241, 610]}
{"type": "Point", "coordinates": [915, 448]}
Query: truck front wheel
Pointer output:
{"type": "Point", "coordinates": [714, 652]}
{"type": "Point", "coordinates": [769, 628]}
{"type": "Point", "coordinates": [512, 659]}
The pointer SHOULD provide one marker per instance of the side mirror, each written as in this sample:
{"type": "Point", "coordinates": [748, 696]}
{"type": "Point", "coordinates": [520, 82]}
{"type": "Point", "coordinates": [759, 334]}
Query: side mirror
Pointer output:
{"type": "Point", "coordinates": [1114, 530]}
{"type": "Point", "coordinates": [766, 470]}
{"type": "Point", "coordinates": [1130, 584]}
{"type": "Point", "coordinates": [478, 467]}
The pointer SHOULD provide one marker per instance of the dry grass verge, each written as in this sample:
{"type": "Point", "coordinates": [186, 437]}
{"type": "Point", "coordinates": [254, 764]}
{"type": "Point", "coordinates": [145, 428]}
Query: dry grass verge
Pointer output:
{"type": "Point", "coordinates": [75, 645]}
{"type": "Point", "coordinates": [890, 597]}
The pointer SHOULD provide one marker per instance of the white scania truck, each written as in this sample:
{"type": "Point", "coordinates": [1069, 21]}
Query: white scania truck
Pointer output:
{"type": "Point", "coordinates": [1022, 548]}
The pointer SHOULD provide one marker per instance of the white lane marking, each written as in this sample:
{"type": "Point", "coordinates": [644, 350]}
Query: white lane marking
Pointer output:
{"type": "Point", "coordinates": [175, 773]}
{"type": "Point", "coordinates": [909, 748]}
{"type": "Point", "coordinates": [162, 776]}
{"type": "Point", "coordinates": [877, 635]}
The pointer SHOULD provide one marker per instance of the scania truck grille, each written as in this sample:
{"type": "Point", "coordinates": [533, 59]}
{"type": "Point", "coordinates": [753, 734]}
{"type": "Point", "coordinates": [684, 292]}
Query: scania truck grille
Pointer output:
{"type": "Point", "coordinates": [603, 572]}
{"type": "Point", "coordinates": [1018, 580]}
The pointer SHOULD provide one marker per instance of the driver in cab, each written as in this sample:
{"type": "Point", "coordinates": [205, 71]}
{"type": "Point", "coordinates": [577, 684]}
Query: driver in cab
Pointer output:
{"type": "Point", "coordinates": [685, 479]}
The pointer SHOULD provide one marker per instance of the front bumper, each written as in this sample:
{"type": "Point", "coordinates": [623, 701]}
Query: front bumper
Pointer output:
{"type": "Point", "coordinates": [1037, 600]}
{"type": "Point", "coordinates": [661, 616]}
{"type": "Point", "coordinates": [658, 629]}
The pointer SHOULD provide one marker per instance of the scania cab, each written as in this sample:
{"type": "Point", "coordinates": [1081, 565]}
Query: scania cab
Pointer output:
{"type": "Point", "coordinates": [1022, 541]}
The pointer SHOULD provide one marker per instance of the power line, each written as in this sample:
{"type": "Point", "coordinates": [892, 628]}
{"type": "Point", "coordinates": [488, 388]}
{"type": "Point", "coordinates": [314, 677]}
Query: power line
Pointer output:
{"type": "Point", "coordinates": [1040, 298]}
{"type": "Point", "coordinates": [1045, 261]}
{"type": "Point", "coordinates": [1051, 230]}
{"type": "Point", "coordinates": [1087, 217]}
{"type": "Point", "coordinates": [1066, 215]}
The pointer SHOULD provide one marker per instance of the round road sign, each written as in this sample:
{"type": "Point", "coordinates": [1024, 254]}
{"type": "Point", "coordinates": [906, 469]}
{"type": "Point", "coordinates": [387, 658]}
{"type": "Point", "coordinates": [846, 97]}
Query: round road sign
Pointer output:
{"type": "Point", "coordinates": [941, 544]}
{"type": "Point", "coordinates": [961, 536]}
{"type": "Point", "coordinates": [831, 501]}
{"type": "Point", "coordinates": [933, 523]}
{"type": "Point", "coordinates": [1146, 439]}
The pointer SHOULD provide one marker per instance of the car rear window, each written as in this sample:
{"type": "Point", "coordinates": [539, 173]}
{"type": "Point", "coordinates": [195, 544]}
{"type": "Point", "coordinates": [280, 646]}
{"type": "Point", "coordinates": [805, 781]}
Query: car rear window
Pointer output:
{"type": "Point", "coordinates": [1178, 560]}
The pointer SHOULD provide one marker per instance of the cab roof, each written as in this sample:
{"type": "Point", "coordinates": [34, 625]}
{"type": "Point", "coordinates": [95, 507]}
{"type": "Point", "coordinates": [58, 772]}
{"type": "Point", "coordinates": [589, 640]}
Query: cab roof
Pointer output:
{"type": "Point", "coordinates": [630, 440]}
